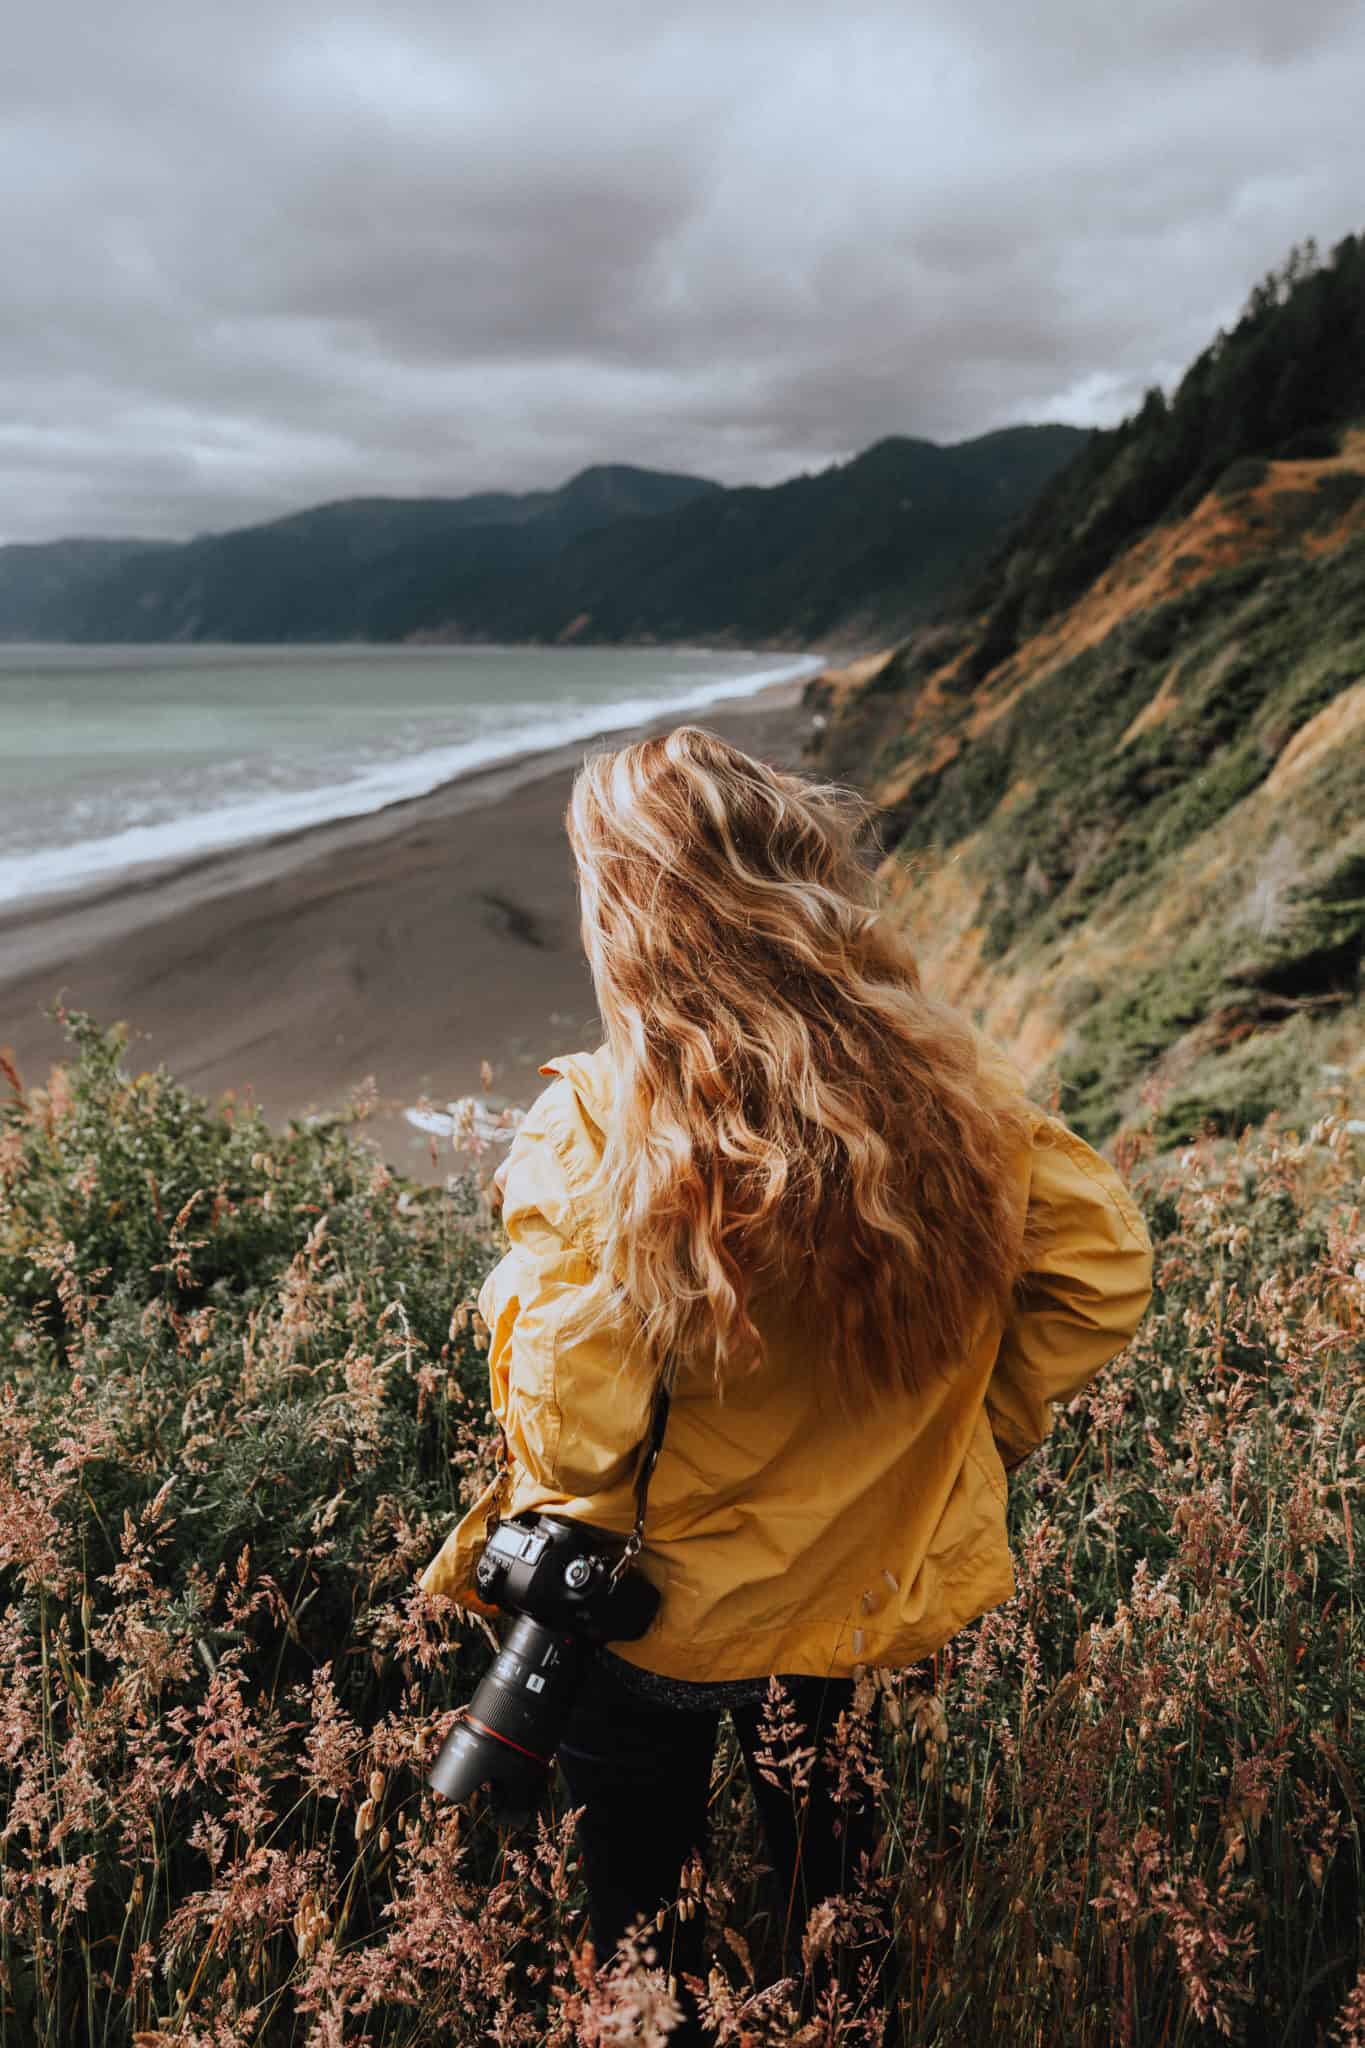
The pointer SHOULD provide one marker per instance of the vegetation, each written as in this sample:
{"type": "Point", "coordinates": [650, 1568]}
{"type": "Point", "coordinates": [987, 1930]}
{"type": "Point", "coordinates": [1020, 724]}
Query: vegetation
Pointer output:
{"type": "Point", "coordinates": [1110, 817]}
{"type": "Point", "coordinates": [1121, 782]}
{"type": "Point", "coordinates": [246, 1395]}
{"type": "Point", "coordinates": [1281, 383]}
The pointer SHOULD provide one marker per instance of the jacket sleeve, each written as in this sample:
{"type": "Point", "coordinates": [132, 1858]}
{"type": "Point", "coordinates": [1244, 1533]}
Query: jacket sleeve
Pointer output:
{"type": "Point", "coordinates": [573, 1418]}
{"type": "Point", "coordinates": [1082, 1296]}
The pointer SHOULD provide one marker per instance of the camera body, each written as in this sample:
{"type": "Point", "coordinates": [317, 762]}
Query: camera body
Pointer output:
{"type": "Point", "coordinates": [559, 1571]}
{"type": "Point", "coordinates": [553, 1574]}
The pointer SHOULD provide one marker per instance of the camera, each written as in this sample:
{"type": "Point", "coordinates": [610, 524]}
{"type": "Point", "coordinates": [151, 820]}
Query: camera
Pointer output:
{"type": "Point", "coordinates": [569, 1586]}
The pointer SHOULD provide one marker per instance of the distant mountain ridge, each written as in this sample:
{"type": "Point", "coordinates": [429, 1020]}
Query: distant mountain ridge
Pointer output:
{"type": "Point", "coordinates": [870, 545]}
{"type": "Point", "coordinates": [1122, 774]}
{"type": "Point", "coordinates": [318, 574]}
{"type": "Point", "coordinates": [617, 554]}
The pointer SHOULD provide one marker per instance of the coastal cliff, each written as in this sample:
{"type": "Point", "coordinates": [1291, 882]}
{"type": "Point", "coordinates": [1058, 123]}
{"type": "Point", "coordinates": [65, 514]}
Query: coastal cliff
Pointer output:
{"type": "Point", "coordinates": [1121, 786]}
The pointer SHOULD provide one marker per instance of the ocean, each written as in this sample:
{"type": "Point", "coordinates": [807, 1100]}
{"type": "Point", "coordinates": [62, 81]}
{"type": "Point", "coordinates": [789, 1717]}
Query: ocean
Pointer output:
{"type": "Point", "coordinates": [114, 757]}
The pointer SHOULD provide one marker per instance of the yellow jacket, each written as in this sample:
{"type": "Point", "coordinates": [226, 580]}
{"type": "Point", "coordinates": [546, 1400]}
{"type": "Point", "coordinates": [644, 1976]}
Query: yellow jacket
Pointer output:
{"type": "Point", "coordinates": [783, 1537]}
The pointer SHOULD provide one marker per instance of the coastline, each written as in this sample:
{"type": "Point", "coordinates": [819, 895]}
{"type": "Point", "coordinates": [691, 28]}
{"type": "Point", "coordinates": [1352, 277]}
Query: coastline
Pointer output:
{"type": "Point", "coordinates": [406, 945]}
{"type": "Point", "coordinates": [143, 842]}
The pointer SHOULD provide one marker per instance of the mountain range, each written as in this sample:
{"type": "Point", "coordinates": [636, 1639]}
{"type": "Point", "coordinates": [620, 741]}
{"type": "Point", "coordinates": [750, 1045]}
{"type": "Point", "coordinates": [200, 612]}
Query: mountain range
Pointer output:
{"type": "Point", "coordinates": [617, 554]}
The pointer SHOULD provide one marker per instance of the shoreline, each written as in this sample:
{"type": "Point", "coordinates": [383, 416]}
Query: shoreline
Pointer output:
{"type": "Point", "coordinates": [483, 779]}
{"type": "Point", "coordinates": [39, 931]}
{"type": "Point", "coordinates": [407, 944]}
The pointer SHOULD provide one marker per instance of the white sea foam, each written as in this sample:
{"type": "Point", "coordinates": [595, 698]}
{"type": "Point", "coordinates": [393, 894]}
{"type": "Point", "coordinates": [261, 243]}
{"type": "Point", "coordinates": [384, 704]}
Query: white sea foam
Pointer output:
{"type": "Point", "coordinates": [80, 863]}
{"type": "Point", "coordinates": [477, 1120]}
{"type": "Point", "coordinates": [431, 1121]}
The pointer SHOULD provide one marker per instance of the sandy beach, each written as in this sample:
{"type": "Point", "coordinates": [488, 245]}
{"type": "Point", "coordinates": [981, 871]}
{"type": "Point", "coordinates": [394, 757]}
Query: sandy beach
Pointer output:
{"type": "Point", "coordinates": [403, 948]}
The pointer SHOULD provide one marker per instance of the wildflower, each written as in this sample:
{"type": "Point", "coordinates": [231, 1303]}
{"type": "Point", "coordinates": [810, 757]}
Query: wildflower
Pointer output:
{"type": "Point", "coordinates": [692, 1888]}
{"type": "Point", "coordinates": [781, 1756]}
{"type": "Point", "coordinates": [311, 1925]}
{"type": "Point", "coordinates": [929, 1720]}
{"type": "Point", "coordinates": [1349, 2029]}
{"type": "Point", "coordinates": [628, 2001]}
{"type": "Point", "coordinates": [822, 1924]}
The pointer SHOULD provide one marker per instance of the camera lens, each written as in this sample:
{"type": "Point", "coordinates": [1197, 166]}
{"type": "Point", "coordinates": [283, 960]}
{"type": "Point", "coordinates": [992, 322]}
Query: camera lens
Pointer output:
{"type": "Point", "coordinates": [510, 1729]}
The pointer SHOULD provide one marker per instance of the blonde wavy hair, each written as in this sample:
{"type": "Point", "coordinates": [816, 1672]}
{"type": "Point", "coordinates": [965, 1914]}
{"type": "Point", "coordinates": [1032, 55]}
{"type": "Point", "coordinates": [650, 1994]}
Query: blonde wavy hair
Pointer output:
{"type": "Point", "coordinates": [792, 1108]}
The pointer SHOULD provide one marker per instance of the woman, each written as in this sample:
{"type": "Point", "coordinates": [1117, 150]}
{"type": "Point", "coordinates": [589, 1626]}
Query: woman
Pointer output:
{"type": "Point", "coordinates": [816, 1202]}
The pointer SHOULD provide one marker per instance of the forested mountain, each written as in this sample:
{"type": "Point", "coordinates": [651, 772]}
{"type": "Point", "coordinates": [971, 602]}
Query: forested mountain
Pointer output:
{"type": "Point", "coordinates": [1122, 779]}
{"type": "Point", "coordinates": [328, 573]}
{"type": "Point", "coordinates": [38, 581]}
{"type": "Point", "coordinates": [617, 554]}
{"type": "Point", "coordinates": [868, 546]}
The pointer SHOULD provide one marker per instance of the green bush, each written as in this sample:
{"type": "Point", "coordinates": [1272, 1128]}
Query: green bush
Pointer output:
{"type": "Point", "coordinates": [259, 1320]}
{"type": "Point", "coordinates": [1242, 475]}
{"type": "Point", "coordinates": [1238, 1088]}
{"type": "Point", "coordinates": [1311, 444]}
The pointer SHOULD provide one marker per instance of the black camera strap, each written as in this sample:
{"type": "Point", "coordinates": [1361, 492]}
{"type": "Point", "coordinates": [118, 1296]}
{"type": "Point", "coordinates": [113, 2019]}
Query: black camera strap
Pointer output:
{"type": "Point", "coordinates": [649, 1458]}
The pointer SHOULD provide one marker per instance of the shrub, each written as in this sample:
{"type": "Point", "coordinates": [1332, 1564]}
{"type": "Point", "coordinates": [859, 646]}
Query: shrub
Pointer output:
{"type": "Point", "coordinates": [1310, 444]}
{"type": "Point", "coordinates": [1243, 475]}
{"type": "Point", "coordinates": [1240, 1087]}
{"type": "Point", "coordinates": [1338, 493]}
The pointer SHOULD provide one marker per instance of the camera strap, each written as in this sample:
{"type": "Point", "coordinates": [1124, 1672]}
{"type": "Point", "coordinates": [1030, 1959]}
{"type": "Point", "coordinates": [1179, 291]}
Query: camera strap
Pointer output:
{"type": "Point", "coordinates": [649, 1458]}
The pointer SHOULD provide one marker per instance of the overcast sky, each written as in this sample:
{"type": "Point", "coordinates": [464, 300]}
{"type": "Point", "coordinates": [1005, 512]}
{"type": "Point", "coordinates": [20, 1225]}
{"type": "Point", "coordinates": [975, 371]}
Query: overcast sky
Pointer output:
{"type": "Point", "coordinates": [263, 254]}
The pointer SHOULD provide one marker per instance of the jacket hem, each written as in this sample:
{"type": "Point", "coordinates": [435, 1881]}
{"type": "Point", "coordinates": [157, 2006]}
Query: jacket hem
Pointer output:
{"type": "Point", "coordinates": [799, 1648]}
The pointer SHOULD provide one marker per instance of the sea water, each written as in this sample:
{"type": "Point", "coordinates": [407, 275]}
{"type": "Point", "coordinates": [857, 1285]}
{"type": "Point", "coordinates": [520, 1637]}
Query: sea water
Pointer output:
{"type": "Point", "coordinates": [112, 757]}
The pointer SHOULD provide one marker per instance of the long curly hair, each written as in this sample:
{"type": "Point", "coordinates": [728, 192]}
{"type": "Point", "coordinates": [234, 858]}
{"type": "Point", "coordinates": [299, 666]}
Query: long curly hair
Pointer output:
{"type": "Point", "coordinates": [792, 1109]}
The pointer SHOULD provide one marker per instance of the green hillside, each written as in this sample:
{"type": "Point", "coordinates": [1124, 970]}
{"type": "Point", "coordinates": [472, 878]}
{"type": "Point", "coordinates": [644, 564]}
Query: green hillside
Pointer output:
{"type": "Point", "coordinates": [617, 554]}
{"type": "Point", "coordinates": [1122, 780]}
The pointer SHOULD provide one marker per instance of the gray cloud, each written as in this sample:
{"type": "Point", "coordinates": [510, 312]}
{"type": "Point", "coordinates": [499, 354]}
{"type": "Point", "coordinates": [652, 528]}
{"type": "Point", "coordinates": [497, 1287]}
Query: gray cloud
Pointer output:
{"type": "Point", "coordinates": [266, 255]}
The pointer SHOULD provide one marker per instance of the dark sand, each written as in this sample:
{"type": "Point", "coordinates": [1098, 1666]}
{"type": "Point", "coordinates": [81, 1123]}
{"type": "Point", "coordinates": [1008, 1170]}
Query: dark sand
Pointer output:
{"type": "Point", "coordinates": [406, 947]}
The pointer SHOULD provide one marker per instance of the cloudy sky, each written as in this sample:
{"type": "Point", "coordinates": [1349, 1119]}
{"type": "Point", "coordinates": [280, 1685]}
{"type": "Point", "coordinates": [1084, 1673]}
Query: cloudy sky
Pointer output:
{"type": "Point", "coordinates": [263, 254]}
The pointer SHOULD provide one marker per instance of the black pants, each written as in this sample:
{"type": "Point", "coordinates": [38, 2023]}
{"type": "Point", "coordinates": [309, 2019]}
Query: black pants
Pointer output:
{"type": "Point", "coordinates": [642, 1773]}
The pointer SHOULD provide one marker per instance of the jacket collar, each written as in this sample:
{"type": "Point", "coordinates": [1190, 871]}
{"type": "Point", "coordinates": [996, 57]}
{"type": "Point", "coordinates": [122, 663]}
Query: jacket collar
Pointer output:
{"type": "Point", "coordinates": [590, 1075]}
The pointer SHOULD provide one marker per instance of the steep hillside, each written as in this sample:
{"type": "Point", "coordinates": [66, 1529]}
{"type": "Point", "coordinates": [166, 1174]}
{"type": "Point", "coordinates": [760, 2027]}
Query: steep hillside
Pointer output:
{"type": "Point", "coordinates": [1123, 813]}
{"type": "Point", "coordinates": [616, 555]}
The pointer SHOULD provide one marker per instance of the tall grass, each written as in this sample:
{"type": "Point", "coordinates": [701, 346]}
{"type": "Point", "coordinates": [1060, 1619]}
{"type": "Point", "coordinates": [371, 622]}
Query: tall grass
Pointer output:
{"type": "Point", "coordinates": [243, 1397]}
